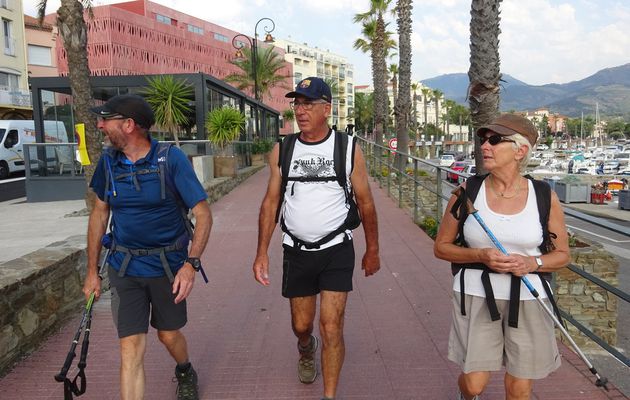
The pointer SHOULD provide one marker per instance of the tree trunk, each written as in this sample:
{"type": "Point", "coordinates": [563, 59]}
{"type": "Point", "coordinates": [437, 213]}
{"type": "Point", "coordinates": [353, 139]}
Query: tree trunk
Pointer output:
{"type": "Point", "coordinates": [484, 73]}
{"type": "Point", "coordinates": [73, 31]}
{"type": "Point", "coordinates": [380, 81]}
{"type": "Point", "coordinates": [403, 101]}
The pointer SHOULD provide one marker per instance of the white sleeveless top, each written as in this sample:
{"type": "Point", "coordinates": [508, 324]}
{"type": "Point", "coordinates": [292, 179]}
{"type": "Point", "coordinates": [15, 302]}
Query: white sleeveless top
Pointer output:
{"type": "Point", "coordinates": [312, 210]}
{"type": "Point", "coordinates": [519, 233]}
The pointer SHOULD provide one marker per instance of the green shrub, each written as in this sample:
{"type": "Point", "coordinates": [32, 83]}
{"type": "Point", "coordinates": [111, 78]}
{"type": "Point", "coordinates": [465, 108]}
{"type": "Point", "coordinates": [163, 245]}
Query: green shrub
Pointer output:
{"type": "Point", "coordinates": [430, 226]}
{"type": "Point", "coordinates": [262, 146]}
{"type": "Point", "coordinates": [224, 126]}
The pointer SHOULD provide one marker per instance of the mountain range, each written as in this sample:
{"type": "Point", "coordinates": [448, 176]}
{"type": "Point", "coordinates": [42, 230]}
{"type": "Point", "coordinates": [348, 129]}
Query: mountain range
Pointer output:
{"type": "Point", "coordinates": [609, 88]}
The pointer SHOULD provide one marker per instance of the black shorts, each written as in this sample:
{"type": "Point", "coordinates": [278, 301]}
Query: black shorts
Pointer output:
{"type": "Point", "coordinates": [306, 273]}
{"type": "Point", "coordinates": [134, 299]}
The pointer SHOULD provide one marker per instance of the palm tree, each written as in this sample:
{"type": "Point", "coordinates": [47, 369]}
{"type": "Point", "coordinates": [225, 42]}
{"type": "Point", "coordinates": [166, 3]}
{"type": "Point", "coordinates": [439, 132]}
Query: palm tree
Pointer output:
{"type": "Point", "coordinates": [437, 95]}
{"type": "Point", "coordinates": [268, 66]}
{"type": "Point", "coordinates": [426, 94]}
{"type": "Point", "coordinates": [169, 98]}
{"type": "Point", "coordinates": [73, 31]}
{"type": "Point", "coordinates": [377, 41]}
{"type": "Point", "coordinates": [484, 73]}
{"type": "Point", "coordinates": [402, 104]}
{"type": "Point", "coordinates": [393, 69]}
{"type": "Point", "coordinates": [448, 104]}
{"type": "Point", "coordinates": [363, 112]}
{"type": "Point", "coordinates": [414, 88]}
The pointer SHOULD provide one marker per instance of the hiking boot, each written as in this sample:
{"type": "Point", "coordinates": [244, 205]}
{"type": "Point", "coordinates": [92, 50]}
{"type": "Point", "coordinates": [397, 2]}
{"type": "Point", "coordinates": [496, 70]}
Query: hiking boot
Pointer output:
{"type": "Point", "coordinates": [187, 388]}
{"type": "Point", "coordinates": [307, 366]}
{"type": "Point", "coordinates": [460, 396]}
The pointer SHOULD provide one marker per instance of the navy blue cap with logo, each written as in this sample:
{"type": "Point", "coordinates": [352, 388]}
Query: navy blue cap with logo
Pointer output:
{"type": "Point", "coordinates": [130, 106]}
{"type": "Point", "coordinates": [312, 88]}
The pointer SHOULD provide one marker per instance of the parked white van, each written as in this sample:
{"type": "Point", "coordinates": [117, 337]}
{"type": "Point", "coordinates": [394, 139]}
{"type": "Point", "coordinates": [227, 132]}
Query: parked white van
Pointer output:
{"type": "Point", "coordinates": [15, 133]}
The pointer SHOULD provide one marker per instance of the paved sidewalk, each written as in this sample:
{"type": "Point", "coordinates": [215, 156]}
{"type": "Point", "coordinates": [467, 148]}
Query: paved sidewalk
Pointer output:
{"type": "Point", "coordinates": [239, 333]}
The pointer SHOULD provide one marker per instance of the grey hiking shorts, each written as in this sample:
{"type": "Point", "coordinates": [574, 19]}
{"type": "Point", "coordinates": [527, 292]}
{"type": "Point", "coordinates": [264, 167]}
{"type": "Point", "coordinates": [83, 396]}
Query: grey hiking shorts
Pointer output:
{"type": "Point", "coordinates": [136, 301]}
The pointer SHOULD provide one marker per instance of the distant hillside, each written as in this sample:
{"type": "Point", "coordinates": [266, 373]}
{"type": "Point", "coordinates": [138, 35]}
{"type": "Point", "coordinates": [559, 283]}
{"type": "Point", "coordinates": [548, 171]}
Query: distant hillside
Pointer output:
{"type": "Point", "coordinates": [610, 88]}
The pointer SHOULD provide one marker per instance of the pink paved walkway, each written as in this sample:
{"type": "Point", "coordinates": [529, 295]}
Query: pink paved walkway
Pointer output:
{"type": "Point", "coordinates": [240, 339]}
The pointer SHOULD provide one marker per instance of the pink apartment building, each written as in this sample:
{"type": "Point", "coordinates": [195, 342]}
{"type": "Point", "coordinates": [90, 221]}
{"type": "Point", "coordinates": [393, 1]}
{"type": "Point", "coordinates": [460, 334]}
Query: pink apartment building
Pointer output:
{"type": "Point", "coordinates": [142, 38]}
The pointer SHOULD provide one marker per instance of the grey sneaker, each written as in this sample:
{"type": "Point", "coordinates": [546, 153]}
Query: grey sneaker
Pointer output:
{"type": "Point", "coordinates": [187, 388]}
{"type": "Point", "coordinates": [460, 396]}
{"type": "Point", "coordinates": [307, 365]}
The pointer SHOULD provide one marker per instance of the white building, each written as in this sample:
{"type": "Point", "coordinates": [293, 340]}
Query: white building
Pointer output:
{"type": "Point", "coordinates": [313, 61]}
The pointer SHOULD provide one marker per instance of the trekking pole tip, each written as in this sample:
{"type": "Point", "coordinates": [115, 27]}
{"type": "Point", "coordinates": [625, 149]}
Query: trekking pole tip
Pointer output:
{"type": "Point", "coordinates": [602, 382]}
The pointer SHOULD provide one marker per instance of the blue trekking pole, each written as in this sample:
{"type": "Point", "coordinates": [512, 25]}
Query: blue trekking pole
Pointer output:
{"type": "Point", "coordinates": [470, 209]}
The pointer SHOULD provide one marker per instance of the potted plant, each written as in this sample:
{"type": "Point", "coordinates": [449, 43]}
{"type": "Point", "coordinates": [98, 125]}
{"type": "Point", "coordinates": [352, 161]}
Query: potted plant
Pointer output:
{"type": "Point", "coordinates": [260, 151]}
{"type": "Point", "coordinates": [224, 125]}
{"type": "Point", "coordinates": [169, 98]}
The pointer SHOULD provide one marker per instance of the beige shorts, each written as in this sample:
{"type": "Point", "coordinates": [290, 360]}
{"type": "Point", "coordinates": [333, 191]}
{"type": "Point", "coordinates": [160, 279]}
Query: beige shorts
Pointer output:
{"type": "Point", "coordinates": [476, 343]}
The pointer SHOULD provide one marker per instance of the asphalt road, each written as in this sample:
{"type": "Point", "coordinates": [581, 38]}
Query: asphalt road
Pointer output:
{"type": "Point", "coordinates": [12, 188]}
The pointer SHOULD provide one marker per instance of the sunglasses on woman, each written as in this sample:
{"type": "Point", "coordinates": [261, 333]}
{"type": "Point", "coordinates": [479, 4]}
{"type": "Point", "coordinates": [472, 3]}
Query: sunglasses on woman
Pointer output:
{"type": "Point", "coordinates": [494, 139]}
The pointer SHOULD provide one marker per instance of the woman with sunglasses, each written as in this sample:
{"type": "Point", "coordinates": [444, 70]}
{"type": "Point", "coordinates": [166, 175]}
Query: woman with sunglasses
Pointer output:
{"type": "Point", "coordinates": [496, 321]}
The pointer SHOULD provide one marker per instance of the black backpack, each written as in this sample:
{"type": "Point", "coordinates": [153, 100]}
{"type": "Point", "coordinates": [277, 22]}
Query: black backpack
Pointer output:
{"type": "Point", "coordinates": [353, 219]}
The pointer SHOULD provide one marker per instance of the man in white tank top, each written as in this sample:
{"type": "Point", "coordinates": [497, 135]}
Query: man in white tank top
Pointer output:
{"type": "Point", "coordinates": [310, 211]}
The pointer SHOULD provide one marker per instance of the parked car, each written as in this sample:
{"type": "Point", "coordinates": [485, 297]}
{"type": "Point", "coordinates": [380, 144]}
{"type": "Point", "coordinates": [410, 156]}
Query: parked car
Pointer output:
{"type": "Point", "coordinates": [542, 147]}
{"type": "Point", "coordinates": [470, 169]}
{"type": "Point", "coordinates": [456, 166]}
{"type": "Point", "coordinates": [611, 167]}
{"type": "Point", "coordinates": [446, 160]}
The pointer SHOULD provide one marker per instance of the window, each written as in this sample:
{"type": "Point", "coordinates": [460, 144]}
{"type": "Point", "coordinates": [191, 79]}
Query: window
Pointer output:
{"type": "Point", "coordinates": [12, 139]}
{"type": "Point", "coordinates": [163, 19]}
{"type": "Point", "coordinates": [349, 73]}
{"type": "Point", "coordinates": [350, 100]}
{"type": "Point", "coordinates": [195, 29]}
{"type": "Point", "coordinates": [9, 42]}
{"type": "Point", "coordinates": [298, 77]}
{"type": "Point", "coordinates": [8, 81]}
{"type": "Point", "coordinates": [6, 4]}
{"type": "Point", "coordinates": [39, 55]}
{"type": "Point", "coordinates": [220, 37]}
{"type": "Point", "coordinates": [349, 86]}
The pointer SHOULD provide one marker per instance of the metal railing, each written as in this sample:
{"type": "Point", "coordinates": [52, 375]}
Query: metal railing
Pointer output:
{"type": "Point", "coordinates": [42, 160]}
{"type": "Point", "coordinates": [405, 184]}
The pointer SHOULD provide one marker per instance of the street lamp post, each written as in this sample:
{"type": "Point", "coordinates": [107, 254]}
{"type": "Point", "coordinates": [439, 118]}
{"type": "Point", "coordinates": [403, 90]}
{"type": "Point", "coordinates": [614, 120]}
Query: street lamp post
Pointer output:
{"type": "Point", "coordinates": [238, 45]}
{"type": "Point", "coordinates": [253, 43]}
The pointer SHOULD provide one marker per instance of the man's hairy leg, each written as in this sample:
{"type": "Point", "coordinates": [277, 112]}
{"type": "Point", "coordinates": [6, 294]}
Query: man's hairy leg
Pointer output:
{"type": "Point", "coordinates": [132, 349]}
{"type": "Point", "coordinates": [332, 309]}
{"type": "Point", "coordinates": [302, 317]}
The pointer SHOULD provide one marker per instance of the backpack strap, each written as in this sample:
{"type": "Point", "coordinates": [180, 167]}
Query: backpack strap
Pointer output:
{"type": "Point", "coordinates": [285, 152]}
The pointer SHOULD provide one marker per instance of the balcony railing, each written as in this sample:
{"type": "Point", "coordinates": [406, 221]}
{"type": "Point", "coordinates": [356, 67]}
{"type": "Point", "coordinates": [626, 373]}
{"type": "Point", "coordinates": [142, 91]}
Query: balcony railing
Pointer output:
{"type": "Point", "coordinates": [15, 97]}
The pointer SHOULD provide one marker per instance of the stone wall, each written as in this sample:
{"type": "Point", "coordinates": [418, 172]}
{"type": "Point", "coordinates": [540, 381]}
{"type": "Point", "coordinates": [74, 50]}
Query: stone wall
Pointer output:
{"type": "Point", "coordinates": [41, 290]}
{"type": "Point", "coordinates": [588, 303]}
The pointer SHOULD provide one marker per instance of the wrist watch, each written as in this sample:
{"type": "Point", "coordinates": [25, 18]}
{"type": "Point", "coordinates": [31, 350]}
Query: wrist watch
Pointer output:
{"type": "Point", "coordinates": [539, 263]}
{"type": "Point", "coordinates": [195, 262]}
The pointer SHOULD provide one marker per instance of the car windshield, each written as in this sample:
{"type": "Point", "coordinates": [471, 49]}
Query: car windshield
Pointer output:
{"type": "Point", "coordinates": [2, 132]}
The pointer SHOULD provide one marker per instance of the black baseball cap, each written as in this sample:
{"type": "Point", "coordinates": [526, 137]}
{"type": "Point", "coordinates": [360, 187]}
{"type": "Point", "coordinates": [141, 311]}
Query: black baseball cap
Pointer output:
{"type": "Point", "coordinates": [313, 88]}
{"type": "Point", "coordinates": [130, 106]}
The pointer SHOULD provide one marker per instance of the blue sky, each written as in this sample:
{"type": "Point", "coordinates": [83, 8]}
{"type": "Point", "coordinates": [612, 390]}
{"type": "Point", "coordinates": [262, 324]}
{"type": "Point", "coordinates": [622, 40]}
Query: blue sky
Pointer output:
{"type": "Point", "coordinates": [541, 41]}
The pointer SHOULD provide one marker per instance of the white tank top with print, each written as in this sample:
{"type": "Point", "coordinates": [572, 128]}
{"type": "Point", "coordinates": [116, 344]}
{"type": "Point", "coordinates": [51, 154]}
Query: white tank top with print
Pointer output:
{"type": "Point", "coordinates": [312, 210]}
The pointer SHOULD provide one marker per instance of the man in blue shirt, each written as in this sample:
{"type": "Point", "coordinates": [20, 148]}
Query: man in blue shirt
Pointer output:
{"type": "Point", "coordinates": [151, 269]}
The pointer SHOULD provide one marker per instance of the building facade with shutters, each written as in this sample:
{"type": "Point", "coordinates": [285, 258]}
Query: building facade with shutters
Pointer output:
{"type": "Point", "coordinates": [145, 38]}
{"type": "Point", "coordinates": [15, 99]}
{"type": "Point", "coordinates": [333, 68]}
